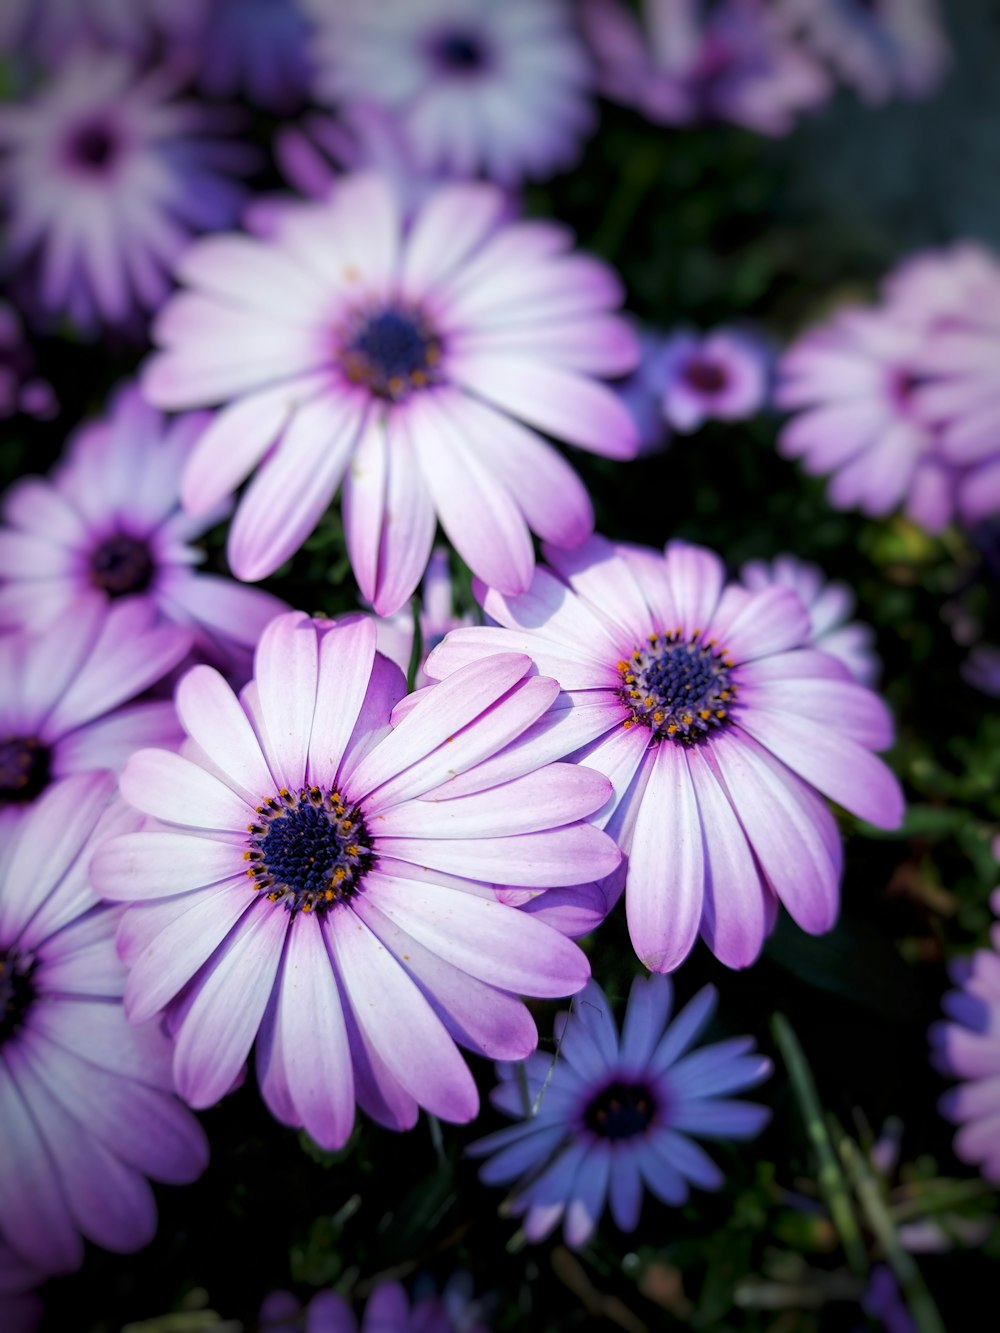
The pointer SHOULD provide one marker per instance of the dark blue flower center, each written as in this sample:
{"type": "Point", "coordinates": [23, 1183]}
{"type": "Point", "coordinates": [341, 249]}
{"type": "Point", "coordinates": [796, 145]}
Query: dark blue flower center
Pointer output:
{"type": "Point", "coordinates": [121, 565]}
{"type": "Point", "coordinates": [621, 1110]}
{"type": "Point", "coordinates": [16, 991]}
{"type": "Point", "coordinates": [706, 376]}
{"type": "Point", "coordinates": [460, 52]}
{"type": "Point", "coordinates": [25, 769]}
{"type": "Point", "coordinates": [392, 352]}
{"type": "Point", "coordinates": [93, 145]}
{"type": "Point", "coordinates": [681, 689]}
{"type": "Point", "coordinates": [307, 850]}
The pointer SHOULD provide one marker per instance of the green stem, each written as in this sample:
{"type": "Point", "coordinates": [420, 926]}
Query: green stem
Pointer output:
{"type": "Point", "coordinates": [831, 1179]}
{"type": "Point", "coordinates": [417, 651]}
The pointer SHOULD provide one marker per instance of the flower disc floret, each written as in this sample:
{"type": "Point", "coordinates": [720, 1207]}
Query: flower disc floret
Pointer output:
{"type": "Point", "coordinates": [120, 565]}
{"type": "Point", "coordinates": [16, 990]}
{"type": "Point", "coordinates": [391, 352]}
{"type": "Point", "coordinates": [25, 768]}
{"type": "Point", "coordinates": [624, 1109]}
{"type": "Point", "coordinates": [307, 851]}
{"type": "Point", "coordinates": [679, 688]}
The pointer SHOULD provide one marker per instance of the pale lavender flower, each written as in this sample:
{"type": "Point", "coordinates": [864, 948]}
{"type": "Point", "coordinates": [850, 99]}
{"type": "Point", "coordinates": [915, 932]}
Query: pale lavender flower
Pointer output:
{"type": "Point", "coordinates": [881, 48]}
{"type": "Point", "coordinates": [52, 30]}
{"type": "Point", "coordinates": [108, 526]}
{"type": "Point", "coordinates": [437, 617]}
{"type": "Point", "coordinates": [900, 402]}
{"type": "Point", "coordinates": [65, 702]}
{"type": "Point", "coordinates": [723, 375]}
{"type": "Point", "coordinates": [21, 390]}
{"type": "Point", "coordinates": [830, 606]}
{"type": "Point", "coordinates": [608, 1117]}
{"type": "Point", "coordinates": [306, 856]}
{"type": "Point", "coordinates": [104, 181]}
{"type": "Point", "coordinates": [498, 89]}
{"type": "Point", "coordinates": [967, 1046]}
{"type": "Point", "coordinates": [683, 64]}
{"type": "Point", "coordinates": [720, 729]}
{"type": "Point", "coordinates": [257, 48]}
{"type": "Point", "coordinates": [387, 1310]}
{"type": "Point", "coordinates": [400, 360]}
{"type": "Point", "coordinates": [86, 1100]}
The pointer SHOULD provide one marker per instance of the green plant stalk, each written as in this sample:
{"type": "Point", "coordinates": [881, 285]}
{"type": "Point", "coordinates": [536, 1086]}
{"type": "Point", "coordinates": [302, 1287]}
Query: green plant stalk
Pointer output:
{"type": "Point", "coordinates": [832, 1181]}
{"type": "Point", "coordinates": [417, 651]}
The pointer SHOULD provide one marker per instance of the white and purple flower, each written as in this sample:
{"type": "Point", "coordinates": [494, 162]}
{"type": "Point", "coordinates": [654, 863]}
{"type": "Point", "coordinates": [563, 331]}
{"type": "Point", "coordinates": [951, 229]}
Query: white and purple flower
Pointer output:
{"type": "Point", "coordinates": [610, 1116]}
{"type": "Point", "coordinates": [401, 361]}
{"type": "Point", "coordinates": [681, 64]}
{"type": "Point", "coordinates": [108, 526]}
{"type": "Point", "coordinates": [720, 729]}
{"type": "Point", "coordinates": [500, 89]}
{"type": "Point", "coordinates": [302, 855]}
{"type": "Point", "coordinates": [830, 606]}
{"type": "Point", "coordinates": [65, 702]}
{"type": "Point", "coordinates": [104, 180]}
{"type": "Point", "coordinates": [723, 375]}
{"type": "Point", "coordinates": [86, 1100]}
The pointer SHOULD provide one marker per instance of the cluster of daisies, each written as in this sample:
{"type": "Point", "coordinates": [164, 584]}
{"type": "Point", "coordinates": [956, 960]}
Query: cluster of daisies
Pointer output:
{"type": "Point", "coordinates": [218, 812]}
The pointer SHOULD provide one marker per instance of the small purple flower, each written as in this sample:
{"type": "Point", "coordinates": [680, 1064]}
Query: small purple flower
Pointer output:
{"type": "Point", "coordinates": [830, 606]}
{"type": "Point", "coordinates": [104, 181]}
{"type": "Point", "coordinates": [722, 375]}
{"type": "Point", "coordinates": [109, 526]}
{"type": "Point", "coordinates": [308, 857]}
{"type": "Point", "coordinates": [681, 65]}
{"type": "Point", "coordinates": [400, 360]}
{"type": "Point", "coordinates": [606, 1118]}
{"type": "Point", "coordinates": [901, 402]}
{"type": "Point", "coordinates": [258, 48]}
{"type": "Point", "coordinates": [882, 48]}
{"type": "Point", "coordinates": [498, 89]}
{"type": "Point", "coordinates": [86, 1100]}
{"type": "Point", "coordinates": [437, 617]}
{"type": "Point", "coordinates": [21, 390]}
{"type": "Point", "coordinates": [718, 727]}
{"type": "Point", "coordinates": [52, 30]}
{"type": "Point", "coordinates": [967, 1046]}
{"type": "Point", "coordinates": [61, 707]}
{"type": "Point", "coordinates": [388, 1310]}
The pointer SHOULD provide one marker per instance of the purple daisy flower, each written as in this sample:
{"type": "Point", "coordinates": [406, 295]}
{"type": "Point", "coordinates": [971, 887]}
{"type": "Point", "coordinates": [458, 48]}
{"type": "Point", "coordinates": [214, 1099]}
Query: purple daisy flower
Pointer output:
{"type": "Point", "coordinates": [20, 390]}
{"type": "Point", "coordinates": [51, 30]}
{"type": "Point", "coordinates": [499, 89]}
{"type": "Point", "coordinates": [722, 375]}
{"type": "Point", "coordinates": [967, 1046]}
{"type": "Point", "coordinates": [388, 1310]}
{"type": "Point", "coordinates": [109, 526]}
{"type": "Point", "coordinates": [882, 48]}
{"type": "Point", "coordinates": [718, 727]}
{"type": "Point", "coordinates": [104, 181]}
{"type": "Point", "coordinates": [86, 1100]}
{"type": "Point", "coordinates": [680, 64]}
{"type": "Point", "coordinates": [61, 709]}
{"type": "Point", "coordinates": [608, 1117]}
{"type": "Point", "coordinates": [399, 360]}
{"type": "Point", "coordinates": [258, 48]}
{"type": "Point", "coordinates": [304, 853]}
{"type": "Point", "coordinates": [437, 617]}
{"type": "Point", "coordinates": [830, 606]}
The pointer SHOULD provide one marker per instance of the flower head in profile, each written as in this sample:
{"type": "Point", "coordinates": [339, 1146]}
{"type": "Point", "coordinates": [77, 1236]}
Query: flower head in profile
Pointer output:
{"type": "Point", "coordinates": [65, 705]}
{"type": "Point", "coordinates": [401, 360]}
{"type": "Point", "coordinates": [109, 526]}
{"type": "Point", "coordinates": [86, 1100]}
{"type": "Point", "coordinates": [683, 62]}
{"type": "Point", "coordinates": [502, 90]}
{"type": "Point", "coordinates": [881, 48]}
{"type": "Point", "coordinates": [610, 1116]}
{"type": "Point", "coordinates": [387, 1310]}
{"type": "Point", "coordinates": [53, 30]}
{"type": "Point", "coordinates": [723, 375]}
{"type": "Point", "coordinates": [306, 858]}
{"type": "Point", "coordinates": [830, 606]}
{"type": "Point", "coordinates": [104, 180]}
{"type": "Point", "coordinates": [967, 1047]}
{"type": "Point", "coordinates": [900, 402]}
{"type": "Point", "coordinates": [720, 729]}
